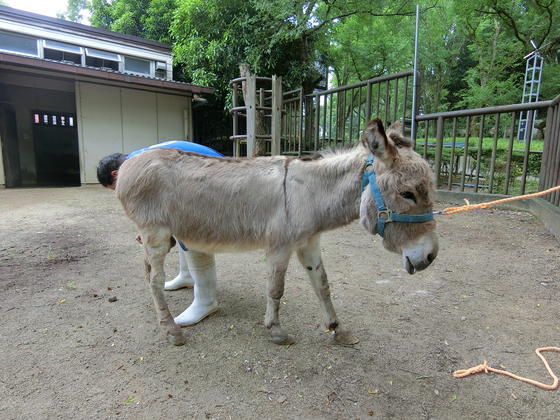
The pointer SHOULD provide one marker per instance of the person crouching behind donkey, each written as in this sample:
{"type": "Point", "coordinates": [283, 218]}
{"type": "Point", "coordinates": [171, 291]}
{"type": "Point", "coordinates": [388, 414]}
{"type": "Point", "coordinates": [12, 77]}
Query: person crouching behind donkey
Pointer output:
{"type": "Point", "coordinates": [195, 269]}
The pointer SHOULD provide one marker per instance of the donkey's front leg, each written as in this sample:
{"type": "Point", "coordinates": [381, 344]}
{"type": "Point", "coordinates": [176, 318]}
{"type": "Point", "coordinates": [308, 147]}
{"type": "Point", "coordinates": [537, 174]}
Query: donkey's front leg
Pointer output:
{"type": "Point", "coordinates": [277, 265]}
{"type": "Point", "coordinates": [309, 256]}
{"type": "Point", "coordinates": [156, 246]}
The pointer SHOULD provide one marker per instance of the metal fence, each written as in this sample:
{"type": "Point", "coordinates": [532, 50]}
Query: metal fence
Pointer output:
{"type": "Point", "coordinates": [550, 165]}
{"type": "Point", "coordinates": [337, 116]}
{"type": "Point", "coordinates": [478, 149]}
{"type": "Point", "coordinates": [293, 120]}
{"type": "Point", "coordinates": [475, 150]}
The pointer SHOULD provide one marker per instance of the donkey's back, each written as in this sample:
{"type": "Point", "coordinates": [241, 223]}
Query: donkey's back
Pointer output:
{"type": "Point", "coordinates": [212, 204]}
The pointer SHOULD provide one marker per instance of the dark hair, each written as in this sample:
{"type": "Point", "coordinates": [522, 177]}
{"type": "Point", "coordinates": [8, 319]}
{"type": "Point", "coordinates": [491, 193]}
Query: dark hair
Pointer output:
{"type": "Point", "coordinates": [107, 165]}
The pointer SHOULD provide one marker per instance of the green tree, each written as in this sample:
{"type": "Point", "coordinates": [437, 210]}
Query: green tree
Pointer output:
{"type": "Point", "coordinates": [470, 52]}
{"type": "Point", "coordinates": [149, 19]}
{"type": "Point", "coordinates": [496, 77]}
{"type": "Point", "coordinates": [501, 32]}
{"type": "Point", "coordinates": [441, 49]}
{"type": "Point", "coordinates": [526, 20]}
{"type": "Point", "coordinates": [74, 10]}
{"type": "Point", "coordinates": [388, 47]}
{"type": "Point", "coordinates": [288, 38]}
{"type": "Point", "coordinates": [353, 56]}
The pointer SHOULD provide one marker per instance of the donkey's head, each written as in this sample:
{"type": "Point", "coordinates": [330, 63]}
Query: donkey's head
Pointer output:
{"type": "Point", "coordinates": [405, 182]}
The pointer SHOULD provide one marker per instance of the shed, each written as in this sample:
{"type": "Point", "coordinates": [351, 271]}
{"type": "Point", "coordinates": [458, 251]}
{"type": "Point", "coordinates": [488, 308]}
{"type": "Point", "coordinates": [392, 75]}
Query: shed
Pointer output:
{"type": "Point", "coordinates": [71, 94]}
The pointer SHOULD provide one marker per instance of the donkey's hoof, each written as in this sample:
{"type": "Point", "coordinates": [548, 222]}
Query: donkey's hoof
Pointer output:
{"type": "Point", "coordinates": [280, 337]}
{"type": "Point", "coordinates": [345, 337]}
{"type": "Point", "coordinates": [176, 339]}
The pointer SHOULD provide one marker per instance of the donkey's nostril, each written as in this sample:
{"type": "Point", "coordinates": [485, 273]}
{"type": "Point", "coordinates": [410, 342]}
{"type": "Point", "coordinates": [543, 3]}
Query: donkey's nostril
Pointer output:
{"type": "Point", "coordinates": [431, 257]}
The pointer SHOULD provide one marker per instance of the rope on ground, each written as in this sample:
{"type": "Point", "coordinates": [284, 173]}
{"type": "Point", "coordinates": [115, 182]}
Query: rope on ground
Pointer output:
{"type": "Point", "coordinates": [484, 367]}
{"type": "Point", "coordinates": [453, 210]}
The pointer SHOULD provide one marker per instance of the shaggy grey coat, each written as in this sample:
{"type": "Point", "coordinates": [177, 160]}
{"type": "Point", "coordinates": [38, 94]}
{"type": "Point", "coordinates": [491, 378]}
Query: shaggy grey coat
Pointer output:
{"type": "Point", "coordinates": [280, 204]}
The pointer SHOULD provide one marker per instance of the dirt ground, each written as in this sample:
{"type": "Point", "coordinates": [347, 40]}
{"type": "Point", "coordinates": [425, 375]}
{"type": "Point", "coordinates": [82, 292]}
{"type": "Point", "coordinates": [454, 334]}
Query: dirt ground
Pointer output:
{"type": "Point", "coordinates": [69, 350]}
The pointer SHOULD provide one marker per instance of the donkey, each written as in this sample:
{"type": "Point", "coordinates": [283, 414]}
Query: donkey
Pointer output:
{"type": "Point", "coordinates": [279, 204]}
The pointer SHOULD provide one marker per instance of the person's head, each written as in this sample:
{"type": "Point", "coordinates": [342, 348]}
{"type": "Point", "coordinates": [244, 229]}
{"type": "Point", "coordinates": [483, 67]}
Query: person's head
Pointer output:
{"type": "Point", "coordinates": [108, 168]}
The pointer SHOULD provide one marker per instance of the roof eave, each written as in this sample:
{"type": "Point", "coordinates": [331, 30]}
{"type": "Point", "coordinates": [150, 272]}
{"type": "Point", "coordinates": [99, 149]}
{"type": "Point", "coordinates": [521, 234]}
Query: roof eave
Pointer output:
{"type": "Point", "coordinates": [72, 71]}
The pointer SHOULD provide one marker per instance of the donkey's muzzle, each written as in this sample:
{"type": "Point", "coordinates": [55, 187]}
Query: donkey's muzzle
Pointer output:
{"type": "Point", "coordinates": [412, 268]}
{"type": "Point", "coordinates": [420, 254]}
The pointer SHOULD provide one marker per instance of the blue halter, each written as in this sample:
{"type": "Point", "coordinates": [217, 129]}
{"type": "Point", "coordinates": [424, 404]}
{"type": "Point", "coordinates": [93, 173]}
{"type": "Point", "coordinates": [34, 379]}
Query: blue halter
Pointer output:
{"type": "Point", "coordinates": [385, 215]}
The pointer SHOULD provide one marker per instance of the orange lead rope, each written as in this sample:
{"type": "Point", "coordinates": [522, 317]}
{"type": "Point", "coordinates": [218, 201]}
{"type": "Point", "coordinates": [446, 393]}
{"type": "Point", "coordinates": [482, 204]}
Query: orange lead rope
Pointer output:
{"type": "Point", "coordinates": [453, 210]}
{"type": "Point", "coordinates": [484, 367]}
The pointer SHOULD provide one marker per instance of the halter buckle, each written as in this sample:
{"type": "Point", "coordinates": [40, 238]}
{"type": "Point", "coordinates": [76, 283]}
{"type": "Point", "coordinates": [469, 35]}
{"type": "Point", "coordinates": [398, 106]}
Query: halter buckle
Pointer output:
{"type": "Point", "coordinates": [384, 215]}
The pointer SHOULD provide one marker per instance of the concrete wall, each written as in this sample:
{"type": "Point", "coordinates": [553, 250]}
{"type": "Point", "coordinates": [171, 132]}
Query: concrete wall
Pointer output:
{"type": "Point", "coordinates": [114, 119]}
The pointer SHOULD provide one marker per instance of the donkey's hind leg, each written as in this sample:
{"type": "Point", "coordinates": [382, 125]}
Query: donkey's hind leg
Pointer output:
{"type": "Point", "coordinates": [277, 265]}
{"type": "Point", "coordinates": [156, 243]}
{"type": "Point", "coordinates": [309, 256]}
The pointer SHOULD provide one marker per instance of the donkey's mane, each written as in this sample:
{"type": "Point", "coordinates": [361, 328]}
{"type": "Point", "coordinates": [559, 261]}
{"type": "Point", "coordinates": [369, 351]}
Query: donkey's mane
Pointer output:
{"type": "Point", "coordinates": [336, 151]}
{"type": "Point", "coordinates": [326, 153]}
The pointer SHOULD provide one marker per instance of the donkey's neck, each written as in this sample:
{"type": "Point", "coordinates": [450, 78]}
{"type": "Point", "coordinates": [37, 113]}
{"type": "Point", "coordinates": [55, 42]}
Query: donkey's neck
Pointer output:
{"type": "Point", "coordinates": [334, 186]}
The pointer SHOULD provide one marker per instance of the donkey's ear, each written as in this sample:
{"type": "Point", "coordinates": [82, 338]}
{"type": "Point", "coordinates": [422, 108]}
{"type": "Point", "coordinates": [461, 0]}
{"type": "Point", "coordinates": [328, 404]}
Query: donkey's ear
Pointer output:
{"type": "Point", "coordinates": [395, 127]}
{"type": "Point", "coordinates": [378, 143]}
{"type": "Point", "coordinates": [394, 132]}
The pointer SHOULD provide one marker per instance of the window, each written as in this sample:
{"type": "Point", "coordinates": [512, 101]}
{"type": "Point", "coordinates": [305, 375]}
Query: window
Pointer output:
{"type": "Point", "coordinates": [61, 46]}
{"type": "Point", "coordinates": [137, 65]}
{"type": "Point", "coordinates": [161, 69]}
{"type": "Point", "coordinates": [18, 43]}
{"type": "Point", "coordinates": [60, 51]}
{"type": "Point", "coordinates": [53, 119]}
{"type": "Point", "coordinates": [63, 56]}
{"type": "Point", "coordinates": [104, 55]}
{"type": "Point", "coordinates": [102, 59]}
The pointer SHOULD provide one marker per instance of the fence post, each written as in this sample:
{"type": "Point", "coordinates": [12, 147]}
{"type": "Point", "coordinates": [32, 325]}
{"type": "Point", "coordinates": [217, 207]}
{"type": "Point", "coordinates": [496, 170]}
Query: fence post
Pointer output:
{"type": "Point", "coordinates": [414, 109]}
{"type": "Point", "coordinates": [234, 103]}
{"type": "Point", "coordinates": [554, 161]}
{"type": "Point", "coordinates": [251, 113]}
{"type": "Point", "coordinates": [439, 147]}
{"type": "Point", "coordinates": [276, 124]}
{"type": "Point", "coordinates": [368, 104]}
{"type": "Point", "coordinates": [528, 139]}
{"type": "Point", "coordinates": [479, 152]}
{"type": "Point", "coordinates": [546, 147]}
{"type": "Point", "coordinates": [317, 117]}
{"type": "Point", "coordinates": [301, 122]}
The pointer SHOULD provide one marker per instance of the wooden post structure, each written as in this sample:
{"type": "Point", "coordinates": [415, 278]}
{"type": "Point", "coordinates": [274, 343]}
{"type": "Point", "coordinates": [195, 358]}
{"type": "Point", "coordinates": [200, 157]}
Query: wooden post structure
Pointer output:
{"type": "Point", "coordinates": [256, 111]}
{"type": "Point", "coordinates": [236, 143]}
{"type": "Point", "coordinates": [276, 125]}
{"type": "Point", "coordinates": [251, 113]}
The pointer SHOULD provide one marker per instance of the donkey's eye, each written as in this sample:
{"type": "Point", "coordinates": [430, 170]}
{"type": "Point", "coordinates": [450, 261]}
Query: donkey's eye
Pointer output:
{"type": "Point", "coordinates": [408, 195]}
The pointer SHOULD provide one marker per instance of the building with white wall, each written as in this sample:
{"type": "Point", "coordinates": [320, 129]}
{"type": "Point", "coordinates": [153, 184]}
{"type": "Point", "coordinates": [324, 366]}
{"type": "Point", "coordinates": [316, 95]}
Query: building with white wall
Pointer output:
{"type": "Point", "coordinates": [71, 94]}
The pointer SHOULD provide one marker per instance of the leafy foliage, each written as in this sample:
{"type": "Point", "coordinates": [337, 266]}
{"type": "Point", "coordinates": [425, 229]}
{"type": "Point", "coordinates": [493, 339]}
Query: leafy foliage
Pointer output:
{"type": "Point", "coordinates": [471, 53]}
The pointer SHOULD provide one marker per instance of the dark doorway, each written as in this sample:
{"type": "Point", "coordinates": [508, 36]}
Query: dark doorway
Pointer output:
{"type": "Point", "coordinates": [55, 137]}
{"type": "Point", "coordinates": [10, 145]}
